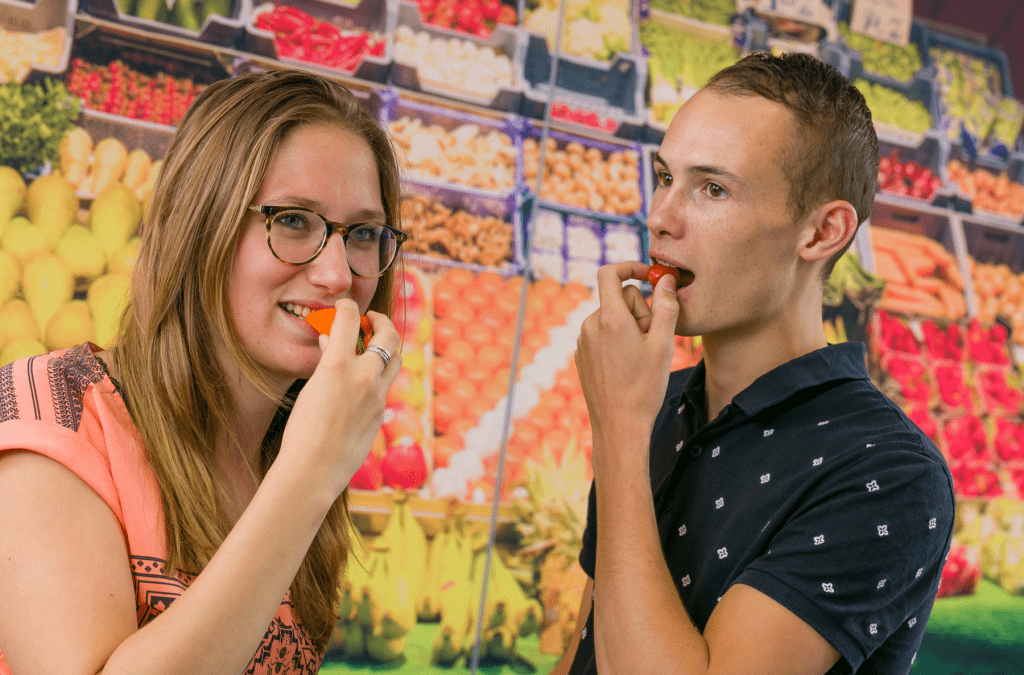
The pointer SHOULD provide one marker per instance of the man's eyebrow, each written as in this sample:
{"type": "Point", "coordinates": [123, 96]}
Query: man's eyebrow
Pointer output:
{"type": "Point", "coordinates": [704, 170]}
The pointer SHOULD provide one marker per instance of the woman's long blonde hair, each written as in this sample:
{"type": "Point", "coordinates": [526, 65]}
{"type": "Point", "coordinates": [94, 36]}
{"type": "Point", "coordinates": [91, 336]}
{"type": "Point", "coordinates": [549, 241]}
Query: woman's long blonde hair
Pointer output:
{"type": "Point", "coordinates": [171, 380]}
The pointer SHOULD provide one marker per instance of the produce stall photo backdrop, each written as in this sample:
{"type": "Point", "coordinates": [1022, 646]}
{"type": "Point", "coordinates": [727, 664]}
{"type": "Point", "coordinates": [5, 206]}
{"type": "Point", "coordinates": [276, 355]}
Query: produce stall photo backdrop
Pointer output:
{"type": "Point", "coordinates": [526, 164]}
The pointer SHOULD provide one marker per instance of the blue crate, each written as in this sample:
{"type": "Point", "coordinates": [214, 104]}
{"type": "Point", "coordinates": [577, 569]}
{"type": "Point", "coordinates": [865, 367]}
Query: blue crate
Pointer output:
{"type": "Point", "coordinates": [507, 39]}
{"type": "Point", "coordinates": [395, 107]}
{"type": "Point", "coordinates": [368, 15]}
{"type": "Point", "coordinates": [224, 31]}
{"type": "Point", "coordinates": [917, 38]}
{"type": "Point", "coordinates": [627, 126]}
{"type": "Point", "coordinates": [994, 56]}
{"type": "Point", "coordinates": [562, 139]}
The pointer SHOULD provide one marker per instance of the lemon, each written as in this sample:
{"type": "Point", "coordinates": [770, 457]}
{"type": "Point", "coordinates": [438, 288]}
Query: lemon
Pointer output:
{"type": "Point", "coordinates": [71, 325]}
{"type": "Point", "coordinates": [20, 349]}
{"type": "Point", "coordinates": [10, 277]}
{"type": "Point", "coordinates": [25, 241]}
{"type": "Point", "coordinates": [47, 285]}
{"type": "Point", "coordinates": [114, 216]}
{"type": "Point", "coordinates": [51, 204]}
{"type": "Point", "coordinates": [12, 194]}
{"type": "Point", "coordinates": [17, 322]}
{"type": "Point", "coordinates": [82, 251]}
{"type": "Point", "coordinates": [107, 298]}
{"type": "Point", "coordinates": [123, 260]}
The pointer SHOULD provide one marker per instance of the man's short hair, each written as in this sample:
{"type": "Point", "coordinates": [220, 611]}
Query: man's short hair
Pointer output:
{"type": "Point", "coordinates": [833, 153]}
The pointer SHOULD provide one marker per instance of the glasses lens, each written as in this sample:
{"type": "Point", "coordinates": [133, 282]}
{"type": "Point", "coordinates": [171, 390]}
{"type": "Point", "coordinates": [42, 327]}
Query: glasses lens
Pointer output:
{"type": "Point", "coordinates": [296, 236]}
{"type": "Point", "coordinates": [371, 249]}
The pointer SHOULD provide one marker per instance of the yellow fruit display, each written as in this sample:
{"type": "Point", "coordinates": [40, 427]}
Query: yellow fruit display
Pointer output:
{"type": "Point", "coordinates": [47, 285]}
{"type": "Point", "coordinates": [20, 349]}
{"type": "Point", "coordinates": [17, 322]}
{"type": "Point", "coordinates": [123, 260]}
{"type": "Point", "coordinates": [12, 194]}
{"type": "Point", "coordinates": [52, 205]}
{"type": "Point", "coordinates": [107, 298]}
{"type": "Point", "coordinates": [114, 216]}
{"type": "Point", "coordinates": [25, 241]}
{"type": "Point", "coordinates": [71, 325]}
{"type": "Point", "coordinates": [10, 277]}
{"type": "Point", "coordinates": [83, 252]}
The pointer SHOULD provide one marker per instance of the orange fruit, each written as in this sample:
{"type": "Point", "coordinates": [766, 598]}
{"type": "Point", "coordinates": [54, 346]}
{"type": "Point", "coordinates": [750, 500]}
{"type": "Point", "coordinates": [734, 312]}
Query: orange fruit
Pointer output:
{"type": "Point", "coordinates": [445, 331]}
{"type": "Point", "coordinates": [446, 373]}
{"type": "Point", "coordinates": [490, 281]}
{"type": "Point", "coordinates": [457, 277]}
{"type": "Point", "coordinates": [444, 447]}
{"type": "Point", "coordinates": [445, 297]}
{"type": "Point", "coordinates": [477, 297]}
{"type": "Point", "coordinates": [461, 351]}
{"type": "Point", "coordinates": [478, 333]}
{"type": "Point", "coordinates": [545, 287]}
{"type": "Point", "coordinates": [448, 408]}
{"type": "Point", "coordinates": [495, 318]}
{"type": "Point", "coordinates": [493, 356]}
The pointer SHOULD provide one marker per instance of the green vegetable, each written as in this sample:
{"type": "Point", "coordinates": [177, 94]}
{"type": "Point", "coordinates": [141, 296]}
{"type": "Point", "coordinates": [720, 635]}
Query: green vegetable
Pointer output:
{"type": "Point", "coordinates": [883, 58]}
{"type": "Point", "coordinates": [709, 11]}
{"type": "Point", "coordinates": [889, 106]}
{"type": "Point", "coordinates": [33, 120]}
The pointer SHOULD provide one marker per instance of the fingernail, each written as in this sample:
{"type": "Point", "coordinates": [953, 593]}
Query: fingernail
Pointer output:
{"type": "Point", "coordinates": [323, 342]}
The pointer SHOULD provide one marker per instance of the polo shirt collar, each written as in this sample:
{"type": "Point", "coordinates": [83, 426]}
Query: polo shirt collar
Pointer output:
{"type": "Point", "coordinates": [836, 362]}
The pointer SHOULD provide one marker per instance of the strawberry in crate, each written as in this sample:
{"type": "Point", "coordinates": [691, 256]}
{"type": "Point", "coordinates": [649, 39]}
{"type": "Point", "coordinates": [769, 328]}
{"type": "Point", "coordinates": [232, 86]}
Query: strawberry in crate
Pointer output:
{"type": "Point", "coordinates": [998, 389]}
{"type": "Point", "coordinates": [973, 478]}
{"type": "Point", "coordinates": [1008, 440]}
{"type": "Point", "coordinates": [954, 394]}
{"type": "Point", "coordinates": [943, 343]}
{"type": "Point", "coordinates": [892, 334]}
{"type": "Point", "coordinates": [911, 380]}
{"type": "Point", "coordinates": [966, 439]}
{"type": "Point", "coordinates": [987, 344]}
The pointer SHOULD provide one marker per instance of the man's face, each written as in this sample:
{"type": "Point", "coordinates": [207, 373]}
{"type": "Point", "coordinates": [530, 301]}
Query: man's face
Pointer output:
{"type": "Point", "coordinates": [721, 209]}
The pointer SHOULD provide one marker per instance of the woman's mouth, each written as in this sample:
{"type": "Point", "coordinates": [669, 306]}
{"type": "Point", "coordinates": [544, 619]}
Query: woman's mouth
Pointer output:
{"type": "Point", "coordinates": [300, 311]}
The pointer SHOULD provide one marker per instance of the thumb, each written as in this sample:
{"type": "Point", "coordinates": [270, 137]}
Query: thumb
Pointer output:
{"type": "Point", "coordinates": [664, 308]}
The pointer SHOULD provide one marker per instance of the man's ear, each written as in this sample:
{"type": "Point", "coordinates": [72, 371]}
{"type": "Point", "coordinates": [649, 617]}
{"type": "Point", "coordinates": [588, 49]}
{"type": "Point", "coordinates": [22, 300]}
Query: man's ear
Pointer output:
{"type": "Point", "coordinates": [832, 226]}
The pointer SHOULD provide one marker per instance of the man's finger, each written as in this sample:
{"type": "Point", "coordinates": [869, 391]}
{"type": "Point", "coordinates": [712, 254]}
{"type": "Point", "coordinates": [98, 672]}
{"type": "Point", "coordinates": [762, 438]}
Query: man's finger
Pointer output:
{"type": "Point", "coordinates": [638, 307]}
{"type": "Point", "coordinates": [611, 277]}
{"type": "Point", "coordinates": [664, 308]}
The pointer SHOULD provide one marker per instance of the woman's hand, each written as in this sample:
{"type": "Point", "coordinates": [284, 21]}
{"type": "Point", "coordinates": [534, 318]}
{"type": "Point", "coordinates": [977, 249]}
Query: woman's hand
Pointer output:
{"type": "Point", "coordinates": [341, 408]}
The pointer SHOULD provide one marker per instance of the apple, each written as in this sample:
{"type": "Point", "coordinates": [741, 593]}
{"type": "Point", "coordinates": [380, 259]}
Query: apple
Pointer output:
{"type": "Point", "coordinates": [369, 475]}
{"type": "Point", "coordinates": [404, 465]}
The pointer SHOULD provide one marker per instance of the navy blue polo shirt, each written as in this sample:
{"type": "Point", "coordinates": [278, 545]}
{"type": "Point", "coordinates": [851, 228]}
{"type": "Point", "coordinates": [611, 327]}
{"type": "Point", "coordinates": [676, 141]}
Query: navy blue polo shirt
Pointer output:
{"type": "Point", "coordinates": [812, 487]}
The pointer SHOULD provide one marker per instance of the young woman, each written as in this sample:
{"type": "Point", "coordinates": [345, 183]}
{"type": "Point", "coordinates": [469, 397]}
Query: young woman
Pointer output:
{"type": "Point", "coordinates": [177, 504]}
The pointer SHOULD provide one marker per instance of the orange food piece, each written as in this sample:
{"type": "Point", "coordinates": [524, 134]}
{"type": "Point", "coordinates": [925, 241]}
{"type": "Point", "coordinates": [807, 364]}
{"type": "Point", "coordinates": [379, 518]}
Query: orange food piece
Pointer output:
{"type": "Point", "coordinates": [322, 319]}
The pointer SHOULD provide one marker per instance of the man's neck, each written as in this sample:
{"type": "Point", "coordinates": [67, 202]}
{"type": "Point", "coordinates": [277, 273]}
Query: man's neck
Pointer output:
{"type": "Point", "coordinates": [733, 361]}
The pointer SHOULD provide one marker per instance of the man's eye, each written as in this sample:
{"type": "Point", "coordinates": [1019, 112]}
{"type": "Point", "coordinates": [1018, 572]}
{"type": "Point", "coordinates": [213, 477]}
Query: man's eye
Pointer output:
{"type": "Point", "coordinates": [664, 179]}
{"type": "Point", "coordinates": [715, 190]}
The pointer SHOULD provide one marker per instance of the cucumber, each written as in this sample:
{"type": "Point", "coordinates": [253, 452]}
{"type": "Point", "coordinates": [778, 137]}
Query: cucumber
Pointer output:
{"type": "Point", "coordinates": [219, 7]}
{"type": "Point", "coordinates": [185, 15]}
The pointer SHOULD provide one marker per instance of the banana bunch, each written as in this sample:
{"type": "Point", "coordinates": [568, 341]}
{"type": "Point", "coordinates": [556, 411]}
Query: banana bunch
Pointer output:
{"type": "Point", "coordinates": [379, 595]}
{"type": "Point", "coordinates": [455, 576]}
{"type": "Point", "coordinates": [850, 279]}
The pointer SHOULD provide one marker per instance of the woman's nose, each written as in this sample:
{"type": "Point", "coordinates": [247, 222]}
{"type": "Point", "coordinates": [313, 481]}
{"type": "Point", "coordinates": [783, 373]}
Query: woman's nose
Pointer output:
{"type": "Point", "coordinates": [330, 269]}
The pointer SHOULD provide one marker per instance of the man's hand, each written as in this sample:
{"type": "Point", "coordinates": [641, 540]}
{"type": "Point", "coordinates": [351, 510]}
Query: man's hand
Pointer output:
{"type": "Point", "coordinates": [623, 356]}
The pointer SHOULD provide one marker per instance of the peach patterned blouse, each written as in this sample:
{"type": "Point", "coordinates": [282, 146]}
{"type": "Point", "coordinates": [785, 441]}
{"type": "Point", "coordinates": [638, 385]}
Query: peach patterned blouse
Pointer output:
{"type": "Point", "coordinates": [65, 406]}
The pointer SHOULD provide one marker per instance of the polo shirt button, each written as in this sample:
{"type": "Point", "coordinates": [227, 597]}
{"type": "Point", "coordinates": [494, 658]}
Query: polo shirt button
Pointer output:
{"type": "Point", "coordinates": [695, 450]}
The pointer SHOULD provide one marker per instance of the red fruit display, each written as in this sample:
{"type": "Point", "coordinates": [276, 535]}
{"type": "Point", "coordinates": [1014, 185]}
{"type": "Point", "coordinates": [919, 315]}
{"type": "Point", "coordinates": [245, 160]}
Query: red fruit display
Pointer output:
{"type": "Point", "coordinates": [966, 439]}
{"type": "Point", "coordinates": [909, 372]}
{"type": "Point", "coordinates": [404, 466]}
{"type": "Point", "coordinates": [1008, 440]}
{"type": "Point", "coordinates": [369, 476]}
{"type": "Point", "coordinates": [906, 179]}
{"type": "Point", "coordinates": [997, 389]}
{"type": "Point", "coordinates": [987, 344]}
{"type": "Point", "coordinates": [943, 343]}
{"type": "Point", "coordinates": [893, 334]}
{"type": "Point", "coordinates": [975, 479]}
{"type": "Point", "coordinates": [119, 90]}
{"type": "Point", "coordinates": [960, 574]}
{"type": "Point", "coordinates": [298, 35]}
{"type": "Point", "coordinates": [920, 416]}
{"type": "Point", "coordinates": [473, 17]}
{"type": "Point", "coordinates": [582, 116]}
{"type": "Point", "coordinates": [954, 394]}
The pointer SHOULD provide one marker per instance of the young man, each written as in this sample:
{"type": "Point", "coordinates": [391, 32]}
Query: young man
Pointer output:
{"type": "Point", "coordinates": [768, 511]}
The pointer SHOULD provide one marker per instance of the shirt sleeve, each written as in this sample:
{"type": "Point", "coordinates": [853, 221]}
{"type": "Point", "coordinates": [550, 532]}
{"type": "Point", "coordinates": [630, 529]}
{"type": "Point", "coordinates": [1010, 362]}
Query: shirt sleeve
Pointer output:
{"type": "Point", "coordinates": [588, 552]}
{"type": "Point", "coordinates": [860, 561]}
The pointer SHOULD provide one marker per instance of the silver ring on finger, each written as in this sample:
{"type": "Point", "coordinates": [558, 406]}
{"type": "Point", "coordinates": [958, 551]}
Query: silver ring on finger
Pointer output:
{"type": "Point", "coordinates": [381, 352]}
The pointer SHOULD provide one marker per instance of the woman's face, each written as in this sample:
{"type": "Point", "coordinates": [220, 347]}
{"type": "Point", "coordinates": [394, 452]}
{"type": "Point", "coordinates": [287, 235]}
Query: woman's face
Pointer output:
{"type": "Point", "coordinates": [328, 170]}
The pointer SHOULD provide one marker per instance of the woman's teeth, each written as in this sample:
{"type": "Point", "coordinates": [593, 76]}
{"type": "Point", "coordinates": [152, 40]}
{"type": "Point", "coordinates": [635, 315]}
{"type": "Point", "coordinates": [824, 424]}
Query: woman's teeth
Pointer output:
{"type": "Point", "coordinates": [298, 310]}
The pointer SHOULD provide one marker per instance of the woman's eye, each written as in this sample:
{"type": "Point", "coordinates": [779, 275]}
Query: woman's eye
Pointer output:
{"type": "Point", "coordinates": [292, 220]}
{"type": "Point", "coordinates": [368, 234]}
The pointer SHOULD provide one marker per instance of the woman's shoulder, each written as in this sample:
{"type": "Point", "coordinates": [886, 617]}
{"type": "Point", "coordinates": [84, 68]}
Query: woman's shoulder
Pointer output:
{"type": "Point", "coordinates": [50, 387]}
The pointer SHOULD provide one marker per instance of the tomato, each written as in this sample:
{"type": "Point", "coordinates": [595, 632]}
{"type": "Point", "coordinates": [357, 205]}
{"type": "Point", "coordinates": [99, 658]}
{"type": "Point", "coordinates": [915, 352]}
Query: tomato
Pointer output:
{"type": "Point", "coordinates": [491, 9]}
{"type": "Point", "coordinates": [507, 15]}
{"type": "Point", "coordinates": [658, 270]}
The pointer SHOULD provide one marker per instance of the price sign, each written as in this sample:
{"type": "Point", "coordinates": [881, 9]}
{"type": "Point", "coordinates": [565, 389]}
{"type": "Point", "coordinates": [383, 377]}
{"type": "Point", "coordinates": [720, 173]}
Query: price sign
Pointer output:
{"type": "Point", "coordinates": [814, 12]}
{"type": "Point", "coordinates": [886, 20]}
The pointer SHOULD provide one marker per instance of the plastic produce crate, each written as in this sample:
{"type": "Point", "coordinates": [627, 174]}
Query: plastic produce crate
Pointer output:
{"type": "Point", "coordinates": [931, 155]}
{"type": "Point", "coordinates": [616, 82]}
{"type": "Point", "coordinates": [1007, 209]}
{"type": "Point", "coordinates": [996, 292]}
{"type": "Point", "coordinates": [95, 48]}
{"type": "Point", "coordinates": [917, 42]}
{"type": "Point", "coordinates": [215, 28]}
{"type": "Point", "coordinates": [442, 242]}
{"type": "Point", "coordinates": [397, 107]}
{"type": "Point", "coordinates": [26, 17]}
{"type": "Point", "coordinates": [568, 246]}
{"type": "Point", "coordinates": [370, 16]}
{"type": "Point", "coordinates": [505, 40]}
{"type": "Point", "coordinates": [918, 251]}
{"type": "Point", "coordinates": [583, 111]}
{"type": "Point", "coordinates": [595, 152]}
